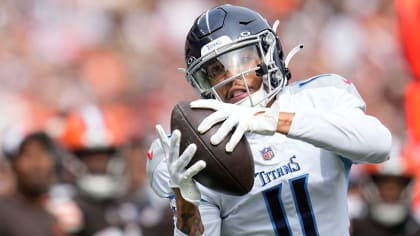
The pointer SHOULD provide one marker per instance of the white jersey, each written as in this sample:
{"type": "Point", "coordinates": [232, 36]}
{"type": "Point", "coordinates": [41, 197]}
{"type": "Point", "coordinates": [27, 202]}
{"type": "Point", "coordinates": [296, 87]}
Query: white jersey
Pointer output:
{"type": "Point", "coordinates": [300, 185]}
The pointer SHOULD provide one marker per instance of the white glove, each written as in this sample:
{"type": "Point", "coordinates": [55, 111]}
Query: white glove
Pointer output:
{"type": "Point", "coordinates": [179, 176]}
{"type": "Point", "coordinates": [245, 119]}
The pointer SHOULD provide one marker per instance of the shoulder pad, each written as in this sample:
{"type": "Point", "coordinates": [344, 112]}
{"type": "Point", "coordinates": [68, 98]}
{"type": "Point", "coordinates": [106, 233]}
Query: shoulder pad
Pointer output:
{"type": "Point", "coordinates": [324, 81]}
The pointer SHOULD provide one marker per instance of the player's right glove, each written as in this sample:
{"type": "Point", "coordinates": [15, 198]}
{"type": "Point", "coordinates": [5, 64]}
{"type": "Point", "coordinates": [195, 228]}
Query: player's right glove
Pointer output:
{"type": "Point", "coordinates": [245, 119]}
{"type": "Point", "coordinates": [180, 177]}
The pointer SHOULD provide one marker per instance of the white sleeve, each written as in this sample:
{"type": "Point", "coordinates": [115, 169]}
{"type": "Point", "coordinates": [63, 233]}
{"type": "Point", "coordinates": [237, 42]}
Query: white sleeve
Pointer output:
{"type": "Point", "coordinates": [335, 120]}
{"type": "Point", "coordinates": [350, 133]}
{"type": "Point", "coordinates": [210, 215]}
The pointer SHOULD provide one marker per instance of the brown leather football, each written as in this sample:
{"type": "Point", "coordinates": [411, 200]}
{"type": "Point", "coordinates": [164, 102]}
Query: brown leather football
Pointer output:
{"type": "Point", "coordinates": [230, 173]}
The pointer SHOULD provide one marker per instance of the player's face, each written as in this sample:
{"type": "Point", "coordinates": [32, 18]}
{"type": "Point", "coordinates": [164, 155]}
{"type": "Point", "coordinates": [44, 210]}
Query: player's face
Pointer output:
{"type": "Point", "coordinates": [96, 161]}
{"type": "Point", "coordinates": [229, 74]}
{"type": "Point", "coordinates": [34, 168]}
{"type": "Point", "coordinates": [391, 188]}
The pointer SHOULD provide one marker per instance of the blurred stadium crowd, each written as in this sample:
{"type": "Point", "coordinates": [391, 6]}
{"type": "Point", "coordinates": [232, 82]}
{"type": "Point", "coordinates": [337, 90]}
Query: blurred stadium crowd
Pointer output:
{"type": "Point", "coordinates": [112, 66]}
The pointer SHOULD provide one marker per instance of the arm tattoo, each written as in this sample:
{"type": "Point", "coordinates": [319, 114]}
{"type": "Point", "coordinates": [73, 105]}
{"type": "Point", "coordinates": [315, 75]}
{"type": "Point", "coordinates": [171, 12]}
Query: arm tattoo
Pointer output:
{"type": "Point", "coordinates": [190, 224]}
{"type": "Point", "coordinates": [188, 216]}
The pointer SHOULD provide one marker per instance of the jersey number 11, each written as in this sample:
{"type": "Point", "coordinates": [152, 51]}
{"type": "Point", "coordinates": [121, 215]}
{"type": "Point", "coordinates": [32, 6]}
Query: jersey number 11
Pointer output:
{"type": "Point", "coordinates": [299, 190]}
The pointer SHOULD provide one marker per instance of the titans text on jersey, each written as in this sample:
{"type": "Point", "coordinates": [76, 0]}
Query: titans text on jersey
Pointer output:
{"type": "Point", "coordinates": [266, 176]}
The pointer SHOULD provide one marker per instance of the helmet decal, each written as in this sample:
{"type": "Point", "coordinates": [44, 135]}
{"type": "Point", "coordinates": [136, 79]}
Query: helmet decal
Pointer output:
{"type": "Point", "coordinates": [217, 18]}
{"type": "Point", "coordinates": [215, 44]}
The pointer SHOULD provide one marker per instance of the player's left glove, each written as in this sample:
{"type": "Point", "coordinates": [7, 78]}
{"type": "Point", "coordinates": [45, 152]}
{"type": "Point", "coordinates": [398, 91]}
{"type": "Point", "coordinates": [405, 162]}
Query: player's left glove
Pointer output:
{"type": "Point", "coordinates": [180, 176]}
{"type": "Point", "coordinates": [245, 119]}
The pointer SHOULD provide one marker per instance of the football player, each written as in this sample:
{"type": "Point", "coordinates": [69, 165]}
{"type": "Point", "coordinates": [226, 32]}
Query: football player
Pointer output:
{"type": "Point", "coordinates": [318, 126]}
{"type": "Point", "coordinates": [36, 163]}
{"type": "Point", "coordinates": [387, 191]}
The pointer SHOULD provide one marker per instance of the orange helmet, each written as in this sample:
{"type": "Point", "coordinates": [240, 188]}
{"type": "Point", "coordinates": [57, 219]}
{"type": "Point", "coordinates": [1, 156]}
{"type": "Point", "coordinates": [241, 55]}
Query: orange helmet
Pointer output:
{"type": "Point", "coordinates": [388, 187]}
{"type": "Point", "coordinates": [92, 128]}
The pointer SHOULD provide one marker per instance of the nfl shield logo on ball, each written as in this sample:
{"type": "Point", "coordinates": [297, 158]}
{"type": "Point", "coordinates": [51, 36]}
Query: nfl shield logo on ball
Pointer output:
{"type": "Point", "coordinates": [267, 153]}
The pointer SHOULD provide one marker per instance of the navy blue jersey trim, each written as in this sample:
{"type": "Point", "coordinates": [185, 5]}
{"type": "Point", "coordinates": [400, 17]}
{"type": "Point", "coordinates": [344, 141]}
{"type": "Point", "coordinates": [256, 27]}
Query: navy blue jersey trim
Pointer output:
{"type": "Point", "coordinates": [307, 81]}
{"type": "Point", "coordinates": [347, 166]}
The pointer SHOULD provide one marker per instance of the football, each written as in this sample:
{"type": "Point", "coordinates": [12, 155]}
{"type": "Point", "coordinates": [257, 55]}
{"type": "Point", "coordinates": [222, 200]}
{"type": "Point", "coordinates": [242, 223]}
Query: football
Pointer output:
{"type": "Point", "coordinates": [230, 173]}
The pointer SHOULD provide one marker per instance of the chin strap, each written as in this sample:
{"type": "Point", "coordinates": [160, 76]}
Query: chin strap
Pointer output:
{"type": "Point", "coordinates": [293, 52]}
{"type": "Point", "coordinates": [275, 25]}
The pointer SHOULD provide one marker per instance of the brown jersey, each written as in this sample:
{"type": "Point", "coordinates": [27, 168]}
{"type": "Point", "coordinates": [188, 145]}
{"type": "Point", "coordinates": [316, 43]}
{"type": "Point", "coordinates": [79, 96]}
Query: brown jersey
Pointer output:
{"type": "Point", "coordinates": [21, 219]}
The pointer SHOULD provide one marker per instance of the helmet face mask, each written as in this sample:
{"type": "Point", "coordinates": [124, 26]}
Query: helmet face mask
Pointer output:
{"type": "Point", "coordinates": [242, 44]}
{"type": "Point", "coordinates": [212, 76]}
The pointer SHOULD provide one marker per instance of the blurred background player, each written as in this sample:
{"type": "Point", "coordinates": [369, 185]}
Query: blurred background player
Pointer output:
{"type": "Point", "coordinates": [35, 164]}
{"type": "Point", "coordinates": [387, 191]}
{"type": "Point", "coordinates": [152, 213]}
{"type": "Point", "coordinates": [7, 178]}
{"type": "Point", "coordinates": [108, 169]}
